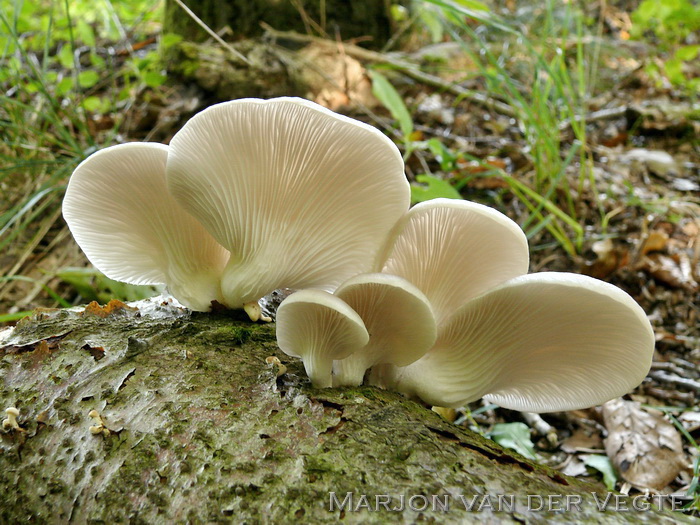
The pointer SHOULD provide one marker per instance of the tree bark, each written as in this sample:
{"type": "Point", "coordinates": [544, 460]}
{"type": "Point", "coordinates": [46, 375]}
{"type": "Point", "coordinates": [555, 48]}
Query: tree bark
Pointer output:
{"type": "Point", "coordinates": [366, 20]}
{"type": "Point", "coordinates": [194, 426]}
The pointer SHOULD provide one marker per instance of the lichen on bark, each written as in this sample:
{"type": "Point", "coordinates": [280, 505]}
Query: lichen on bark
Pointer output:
{"type": "Point", "coordinates": [202, 430]}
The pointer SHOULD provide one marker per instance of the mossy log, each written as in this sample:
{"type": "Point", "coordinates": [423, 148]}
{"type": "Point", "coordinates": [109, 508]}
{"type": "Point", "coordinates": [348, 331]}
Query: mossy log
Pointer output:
{"type": "Point", "coordinates": [268, 71]}
{"type": "Point", "coordinates": [195, 426]}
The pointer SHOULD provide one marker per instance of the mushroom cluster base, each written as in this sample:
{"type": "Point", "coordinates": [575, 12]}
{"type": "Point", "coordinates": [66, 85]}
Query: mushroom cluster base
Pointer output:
{"type": "Point", "coordinates": [201, 429]}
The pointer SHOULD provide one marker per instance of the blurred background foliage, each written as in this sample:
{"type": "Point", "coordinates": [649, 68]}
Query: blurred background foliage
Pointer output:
{"type": "Point", "coordinates": [80, 75]}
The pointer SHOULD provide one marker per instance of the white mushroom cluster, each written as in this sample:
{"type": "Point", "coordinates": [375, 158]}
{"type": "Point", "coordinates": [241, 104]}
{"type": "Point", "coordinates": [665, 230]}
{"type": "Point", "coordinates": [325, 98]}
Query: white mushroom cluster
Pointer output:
{"type": "Point", "coordinates": [435, 302]}
{"type": "Point", "coordinates": [249, 196]}
{"type": "Point", "coordinates": [453, 317]}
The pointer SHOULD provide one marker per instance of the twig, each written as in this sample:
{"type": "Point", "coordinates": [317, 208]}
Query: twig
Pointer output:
{"type": "Point", "coordinates": [410, 70]}
{"type": "Point", "coordinates": [444, 133]}
{"type": "Point", "coordinates": [683, 363]}
{"type": "Point", "coordinates": [674, 379]}
{"type": "Point", "coordinates": [211, 33]}
{"type": "Point", "coordinates": [684, 397]}
{"type": "Point", "coordinates": [541, 427]}
{"type": "Point", "coordinates": [669, 367]}
{"type": "Point", "coordinates": [309, 23]}
{"type": "Point", "coordinates": [603, 114]}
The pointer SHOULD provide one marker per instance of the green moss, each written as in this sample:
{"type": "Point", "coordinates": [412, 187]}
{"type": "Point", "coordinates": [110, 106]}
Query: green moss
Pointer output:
{"type": "Point", "coordinates": [183, 430]}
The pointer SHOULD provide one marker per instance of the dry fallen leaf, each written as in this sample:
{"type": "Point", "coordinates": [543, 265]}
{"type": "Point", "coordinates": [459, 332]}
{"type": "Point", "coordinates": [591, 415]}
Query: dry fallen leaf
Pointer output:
{"type": "Point", "coordinates": [655, 242]}
{"type": "Point", "coordinates": [690, 420]}
{"type": "Point", "coordinates": [581, 441]}
{"type": "Point", "coordinates": [574, 467]}
{"type": "Point", "coordinates": [335, 79]}
{"type": "Point", "coordinates": [657, 162]}
{"type": "Point", "coordinates": [609, 258]}
{"type": "Point", "coordinates": [675, 270]}
{"type": "Point", "coordinates": [645, 448]}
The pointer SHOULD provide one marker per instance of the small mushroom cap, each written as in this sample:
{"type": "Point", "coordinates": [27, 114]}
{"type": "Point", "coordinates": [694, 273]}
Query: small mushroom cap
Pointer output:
{"type": "Point", "coordinates": [397, 316]}
{"type": "Point", "coordinates": [539, 343]}
{"type": "Point", "coordinates": [301, 196]}
{"type": "Point", "coordinates": [319, 328]}
{"type": "Point", "coordinates": [12, 411]}
{"type": "Point", "coordinates": [454, 251]}
{"type": "Point", "coordinates": [120, 212]}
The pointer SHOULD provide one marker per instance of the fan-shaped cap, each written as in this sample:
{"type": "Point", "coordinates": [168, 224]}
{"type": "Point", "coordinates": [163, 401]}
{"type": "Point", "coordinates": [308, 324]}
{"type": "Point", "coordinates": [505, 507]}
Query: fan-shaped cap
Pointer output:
{"type": "Point", "coordinates": [397, 316]}
{"type": "Point", "coordinates": [319, 327]}
{"type": "Point", "coordinates": [302, 197]}
{"type": "Point", "coordinates": [119, 210]}
{"type": "Point", "coordinates": [454, 251]}
{"type": "Point", "coordinates": [539, 343]}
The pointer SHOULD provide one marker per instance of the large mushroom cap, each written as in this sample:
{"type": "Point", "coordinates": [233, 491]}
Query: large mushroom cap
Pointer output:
{"type": "Point", "coordinates": [301, 196]}
{"type": "Point", "coordinates": [539, 343]}
{"type": "Point", "coordinates": [120, 212]}
{"type": "Point", "coordinates": [319, 328]}
{"type": "Point", "coordinates": [397, 316]}
{"type": "Point", "coordinates": [454, 251]}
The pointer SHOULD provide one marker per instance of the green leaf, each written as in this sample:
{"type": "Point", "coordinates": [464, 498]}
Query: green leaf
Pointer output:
{"type": "Point", "coordinates": [432, 21]}
{"type": "Point", "coordinates": [85, 33]}
{"type": "Point", "coordinates": [65, 56]}
{"type": "Point", "coordinates": [93, 286]}
{"type": "Point", "coordinates": [444, 156]}
{"type": "Point", "coordinates": [169, 39]}
{"type": "Point", "coordinates": [124, 292]}
{"type": "Point", "coordinates": [153, 79]}
{"type": "Point", "coordinates": [434, 188]}
{"type": "Point", "coordinates": [92, 104]}
{"type": "Point", "coordinates": [674, 71]}
{"type": "Point", "coordinates": [472, 4]}
{"type": "Point", "coordinates": [458, 9]}
{"type": "Point", "coordinates": [687, 53]}
{"type": "Point", "coordinates": [81, 280]}
{"type": "Point", "coordinates": [32, 86]}
{"type": "Point", "coordinates": [8, 318]}
{"type": "Point", "coordinates": [87, 79]}
{"type": "Point", "coordinates": [399, 13]}
{"type": "Point", "coordinates": [97, 61]}
{"type": "Point", "coordinates": [515, 436]}
{"type": "Point", "coordinates": [391, 100]}
{"type": "Point", "coordinates": [64, 86]}
{"type": "Point", "coordinates": [603, 465]}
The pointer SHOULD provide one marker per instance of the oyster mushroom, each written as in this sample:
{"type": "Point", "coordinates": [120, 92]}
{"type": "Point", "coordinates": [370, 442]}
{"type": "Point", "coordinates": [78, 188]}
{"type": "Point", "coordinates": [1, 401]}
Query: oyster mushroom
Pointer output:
{"type": "Point", "coordinates": [302, 197]}
{"type": "Point", "coordinates": [542, 342]}
{"type": "Point", "coordinates": [250, 196]}
{"type": "Point", "coordinates": [397, 316]}
{"type": "Point", "coordinates": [121, 214]}
{"type": "Point", "coordinates": [454, 251]}
{"type": "Point", "coordinates": [319, 328]}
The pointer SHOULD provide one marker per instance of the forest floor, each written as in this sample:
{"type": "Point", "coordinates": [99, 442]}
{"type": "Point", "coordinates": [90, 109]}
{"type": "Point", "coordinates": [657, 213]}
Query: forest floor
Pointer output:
{"type": "Point", "coordinates": [631, 192]}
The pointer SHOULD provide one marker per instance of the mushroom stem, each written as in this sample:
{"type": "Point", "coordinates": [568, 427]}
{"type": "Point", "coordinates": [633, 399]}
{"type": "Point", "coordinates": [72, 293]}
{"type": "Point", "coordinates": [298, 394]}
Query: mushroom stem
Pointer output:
{"type": "Point", "coordinates": [319, 369]}
{"type": "Point", "coordinates": [255, 312]}
{"type": "Point", "coordinates": [396, 314]}
{"type": "Point", "coordinates": [320, 328]}
{"type": "Point", "coordinates": [11, 421]}
{"type": "Point", "coordinates": [350, 371]}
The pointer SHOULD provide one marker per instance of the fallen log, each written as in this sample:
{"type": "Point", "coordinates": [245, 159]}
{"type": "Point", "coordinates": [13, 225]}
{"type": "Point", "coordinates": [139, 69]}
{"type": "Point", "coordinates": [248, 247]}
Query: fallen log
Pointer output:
{"type": "Point", "coordinates": [153, 414]}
